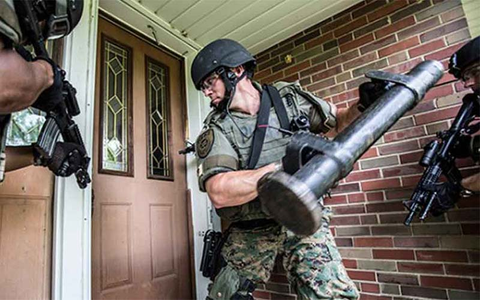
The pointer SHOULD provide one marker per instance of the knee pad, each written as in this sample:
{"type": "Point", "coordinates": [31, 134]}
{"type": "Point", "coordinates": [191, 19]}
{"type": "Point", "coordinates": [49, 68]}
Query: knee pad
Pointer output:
{"type": "Point", "coordinates": [229, 284]}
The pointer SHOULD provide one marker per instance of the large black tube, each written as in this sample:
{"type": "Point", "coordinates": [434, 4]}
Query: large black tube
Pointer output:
{"type": "Point", "coordinates": [293, 199]}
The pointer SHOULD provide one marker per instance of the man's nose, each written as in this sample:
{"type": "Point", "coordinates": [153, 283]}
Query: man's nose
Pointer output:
{"type": "Point", "coordinates": [207, 92]}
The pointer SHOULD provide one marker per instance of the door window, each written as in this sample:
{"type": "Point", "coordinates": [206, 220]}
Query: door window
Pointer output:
{"type": "Point", "coordinates": [159, 160]}
{"type": "Point", "coordinates": [116, 109]}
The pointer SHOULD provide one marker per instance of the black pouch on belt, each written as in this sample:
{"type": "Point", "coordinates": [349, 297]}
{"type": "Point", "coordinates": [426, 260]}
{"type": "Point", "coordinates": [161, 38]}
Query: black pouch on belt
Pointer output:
{"type": "Point", "coordinates": [211, 257]}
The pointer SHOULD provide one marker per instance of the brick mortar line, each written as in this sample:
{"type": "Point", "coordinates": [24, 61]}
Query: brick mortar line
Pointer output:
{"type": "Point", "coordinates": [428, 274]}
{"type": "Point", "coordinates": [410, 235]}
{"type": "Point", "coordinates": [402, 164]}
{"type": "Point", "coordinates": [399, 153]}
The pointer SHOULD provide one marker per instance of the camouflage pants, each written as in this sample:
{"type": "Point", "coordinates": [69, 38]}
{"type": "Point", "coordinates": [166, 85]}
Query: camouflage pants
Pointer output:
{"type": "Point", "coordinates": [313, 264]}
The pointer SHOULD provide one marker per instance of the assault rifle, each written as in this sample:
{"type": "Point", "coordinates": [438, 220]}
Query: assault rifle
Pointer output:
{"type": "Point", "coordinates": [439, 159]}
{"type": "Point", "coordinates": [60, 119]}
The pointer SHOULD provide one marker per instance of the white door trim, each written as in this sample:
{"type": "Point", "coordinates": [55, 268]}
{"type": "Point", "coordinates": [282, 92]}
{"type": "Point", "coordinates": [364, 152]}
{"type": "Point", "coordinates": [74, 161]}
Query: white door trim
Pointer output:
{"type": "Point", "coordinates": [72, 206]}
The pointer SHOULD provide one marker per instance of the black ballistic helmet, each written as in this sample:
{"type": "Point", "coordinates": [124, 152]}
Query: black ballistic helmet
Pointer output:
{"type": "Point", "coordinates": [220, 53]}
{"type": "Point", "coordinates": [61, 16]}
{"type": "Point", "coordinates": [467, 56]}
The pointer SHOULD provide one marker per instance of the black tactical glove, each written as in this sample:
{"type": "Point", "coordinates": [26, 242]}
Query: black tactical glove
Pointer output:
{"type": "Point", "coordinates": [369, 92]}
{"type": "Point", "coordinates": [463, 148]}
{"type": "Point", "coordinates": [66, 159]}
{"type": "Point", "coordinates": [52, 96]}
{"type": "Point", "coordinates": [447, 196]}
{"type": "Point", "coordinates": [467, 146]}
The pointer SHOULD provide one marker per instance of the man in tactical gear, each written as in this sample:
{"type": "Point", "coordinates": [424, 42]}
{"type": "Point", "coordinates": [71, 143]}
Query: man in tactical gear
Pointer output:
{"type": "Point", "coordinates": [243, 139]}
{"type": "Point", "coordinates": [465, 65]}
{"type": "Point", "coordinates": [36, 82]}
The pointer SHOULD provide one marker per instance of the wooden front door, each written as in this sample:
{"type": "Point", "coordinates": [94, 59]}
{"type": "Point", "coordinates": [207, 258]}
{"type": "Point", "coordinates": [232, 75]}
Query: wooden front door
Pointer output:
{"type": "Point", "coordinates": [140, 233]}
{"type": "Point", "coordinates": [26, 234]}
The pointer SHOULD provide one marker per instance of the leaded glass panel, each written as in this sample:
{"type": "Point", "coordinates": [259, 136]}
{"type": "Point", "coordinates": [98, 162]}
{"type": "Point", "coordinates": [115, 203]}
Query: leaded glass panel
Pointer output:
{"type": "Point", "coordinates": [115, 108]}
{"type": "Point", "coordinates": [157, 101]}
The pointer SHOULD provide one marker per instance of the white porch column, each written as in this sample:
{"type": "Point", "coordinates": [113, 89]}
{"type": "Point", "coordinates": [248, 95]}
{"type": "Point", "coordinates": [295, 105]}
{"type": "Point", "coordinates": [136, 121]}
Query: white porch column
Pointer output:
{"type": "Point", "coordinates": [71, 275]}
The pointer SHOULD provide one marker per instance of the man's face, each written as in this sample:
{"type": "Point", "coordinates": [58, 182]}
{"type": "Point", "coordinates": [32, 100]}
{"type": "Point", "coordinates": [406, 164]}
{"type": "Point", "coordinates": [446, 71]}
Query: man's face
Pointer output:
{"type": "Point", "coordinates": [471, 77]}
{"type": "Point", "coordinates": [214, 88]}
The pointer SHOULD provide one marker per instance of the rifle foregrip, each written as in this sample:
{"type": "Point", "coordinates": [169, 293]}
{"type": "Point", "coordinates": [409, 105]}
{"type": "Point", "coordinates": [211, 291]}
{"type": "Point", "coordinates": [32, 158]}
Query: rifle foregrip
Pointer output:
{"type": "Point", "coordinates": [83, 178]}
{"type": "Point", "coordinates": [410, 216]}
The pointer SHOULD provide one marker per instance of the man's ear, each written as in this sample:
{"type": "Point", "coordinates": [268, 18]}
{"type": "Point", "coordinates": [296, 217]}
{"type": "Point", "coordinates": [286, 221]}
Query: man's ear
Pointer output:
{"type": "Point", "coordinates": [238, 70]}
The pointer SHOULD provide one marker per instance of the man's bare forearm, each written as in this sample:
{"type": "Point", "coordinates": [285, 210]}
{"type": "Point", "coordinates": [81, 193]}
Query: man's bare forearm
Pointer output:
{"type": "Point", "coordinates": [235, 188]}
{"type": "Point", "coordinates": [18, 157]}
{"type": "Point", "coordinates": [21, 81]}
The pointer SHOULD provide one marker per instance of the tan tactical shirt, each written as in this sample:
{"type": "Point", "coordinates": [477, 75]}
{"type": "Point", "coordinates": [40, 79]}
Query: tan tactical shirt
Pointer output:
{"type": "Point", "coordinates": [224, 144]}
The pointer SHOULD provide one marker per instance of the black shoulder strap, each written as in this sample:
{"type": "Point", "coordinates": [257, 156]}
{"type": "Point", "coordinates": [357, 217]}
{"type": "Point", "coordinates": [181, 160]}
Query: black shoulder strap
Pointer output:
{"type": "Point", "coordinates": [279, 107]}
{"type": "Point", "coordinates": [269, 95]}
{"type": "Point", "coordinates": [260, 130]}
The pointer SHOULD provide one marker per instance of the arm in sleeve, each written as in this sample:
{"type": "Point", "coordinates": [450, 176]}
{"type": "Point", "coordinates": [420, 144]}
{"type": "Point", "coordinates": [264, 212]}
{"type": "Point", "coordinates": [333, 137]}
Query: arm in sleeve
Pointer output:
{"type": "Point", "coordinates": [214, 155]}
{"type": "Point", "coordinates": [322, 114]}
{"type": "Point", "coordinates": [218, 173]}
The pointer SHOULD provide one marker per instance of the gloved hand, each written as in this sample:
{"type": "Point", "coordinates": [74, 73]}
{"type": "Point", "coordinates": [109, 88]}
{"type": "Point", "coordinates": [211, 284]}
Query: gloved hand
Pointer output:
{"type": "Point", "coordinates": [463, 148]}
{"type": "Point", "coordinates": [447, 196]}
{"type": "Point", "coordinates": [50, 98]}
{"type": "Point", "coordinates": [369, 92]}
{"type": "Point", "coordinates": [467, 146]}
{"type": "Point", "coordinates": [66, 159]}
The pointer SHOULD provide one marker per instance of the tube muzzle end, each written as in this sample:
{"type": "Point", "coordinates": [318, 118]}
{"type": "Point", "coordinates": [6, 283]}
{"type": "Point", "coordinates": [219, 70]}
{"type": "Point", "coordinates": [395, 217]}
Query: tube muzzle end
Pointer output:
{"type": "Point", "coordinates": [290, 202]}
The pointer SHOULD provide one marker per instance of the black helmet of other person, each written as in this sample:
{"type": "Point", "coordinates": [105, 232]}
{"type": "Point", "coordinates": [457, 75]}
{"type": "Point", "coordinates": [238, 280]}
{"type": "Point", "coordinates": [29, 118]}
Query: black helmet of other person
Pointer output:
{"type": "Point", "coordinates": [465, 57]}
{"type": "Point", "coordinates": [60, 16]}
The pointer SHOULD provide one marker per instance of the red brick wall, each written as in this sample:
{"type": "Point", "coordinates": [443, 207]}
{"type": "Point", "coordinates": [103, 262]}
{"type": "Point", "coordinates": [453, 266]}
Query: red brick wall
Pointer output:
{"type": "Point", "coordinates": [439, 258]}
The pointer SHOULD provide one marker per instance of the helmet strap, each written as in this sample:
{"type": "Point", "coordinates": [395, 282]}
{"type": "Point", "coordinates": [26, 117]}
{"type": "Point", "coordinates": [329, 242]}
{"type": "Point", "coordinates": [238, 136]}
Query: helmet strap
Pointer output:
{"type": "Point", "coordinates": [230, 81]}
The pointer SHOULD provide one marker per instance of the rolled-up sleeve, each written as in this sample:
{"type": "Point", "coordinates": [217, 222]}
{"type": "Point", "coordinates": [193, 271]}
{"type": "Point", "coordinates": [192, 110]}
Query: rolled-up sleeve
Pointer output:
{"type": "Point", "coordinates": [214, 155]}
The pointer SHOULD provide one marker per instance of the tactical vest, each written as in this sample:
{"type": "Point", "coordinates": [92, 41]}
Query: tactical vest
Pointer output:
{"type": "Point", "coordinates": [9, 26]}
{"type": "Point", "coordinates": [231, 138]}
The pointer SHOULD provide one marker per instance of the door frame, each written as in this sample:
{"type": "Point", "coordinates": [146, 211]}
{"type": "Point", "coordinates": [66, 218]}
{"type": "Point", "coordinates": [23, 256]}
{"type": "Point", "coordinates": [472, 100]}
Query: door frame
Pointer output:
{"type": "Point", "coordinates": [155, 30]}
{"type": "Point", "coordinates": [72, 206]}
{"type": "Point", "coordinates": [71, 261]}
{"type": "Point", "coordinates": [103, 37]}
